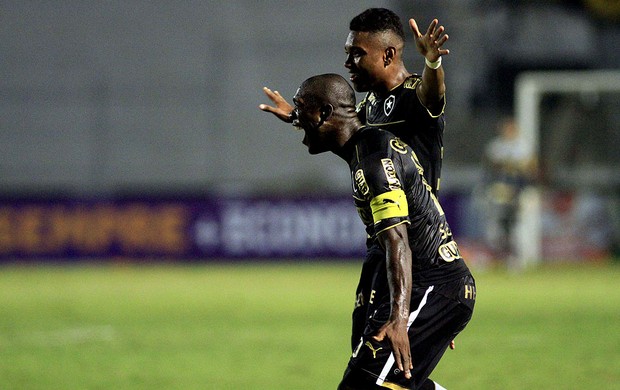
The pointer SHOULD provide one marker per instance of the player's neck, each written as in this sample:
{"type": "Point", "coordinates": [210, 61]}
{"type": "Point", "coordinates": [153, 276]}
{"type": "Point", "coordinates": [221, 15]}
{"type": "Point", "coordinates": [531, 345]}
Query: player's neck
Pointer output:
{"type": "Point", "coordinates": [347, 132]}
{"type": "Point", "coordinates": [392, 81]}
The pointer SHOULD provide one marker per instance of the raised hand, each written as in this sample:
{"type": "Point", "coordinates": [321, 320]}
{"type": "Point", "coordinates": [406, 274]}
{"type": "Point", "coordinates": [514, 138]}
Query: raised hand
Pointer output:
{"type": "Point", "coordinates": [282, 108]}
{"type": "Point", "coordinates": [430, 44]}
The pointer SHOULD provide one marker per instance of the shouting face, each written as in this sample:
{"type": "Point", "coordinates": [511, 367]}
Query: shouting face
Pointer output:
{"type": "Point", "coordinates": [307, 116]}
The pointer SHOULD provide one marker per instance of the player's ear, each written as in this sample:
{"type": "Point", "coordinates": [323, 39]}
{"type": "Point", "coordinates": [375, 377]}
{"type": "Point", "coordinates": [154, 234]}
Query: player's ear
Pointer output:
{"type": "Point", "coordinates": [389, 55]}
{"type": "Point", "coordinates": [326, 111]}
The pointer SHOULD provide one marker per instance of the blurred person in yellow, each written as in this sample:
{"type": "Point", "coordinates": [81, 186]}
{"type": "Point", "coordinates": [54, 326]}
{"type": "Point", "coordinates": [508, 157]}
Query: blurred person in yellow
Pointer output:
{"type": "Point", "coordinates": [509, 167]}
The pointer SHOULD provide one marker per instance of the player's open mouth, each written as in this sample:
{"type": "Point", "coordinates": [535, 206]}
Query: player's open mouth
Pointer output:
{"type": "Point", "coordinates": [353, 77]}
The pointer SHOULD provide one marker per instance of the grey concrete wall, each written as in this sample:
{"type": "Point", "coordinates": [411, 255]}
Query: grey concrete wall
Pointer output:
{"type": "Point", "coordinates": [101, 97]}
{"type": "Point", "coordinates": [104, 96]}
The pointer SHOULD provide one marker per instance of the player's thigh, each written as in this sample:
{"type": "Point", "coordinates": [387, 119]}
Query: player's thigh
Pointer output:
{"type": "Point", "coordinates": [446, 313]}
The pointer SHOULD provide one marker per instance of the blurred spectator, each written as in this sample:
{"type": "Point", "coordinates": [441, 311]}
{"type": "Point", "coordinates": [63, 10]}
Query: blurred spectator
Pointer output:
{"type": "Point", "coordinates": [509, 166]}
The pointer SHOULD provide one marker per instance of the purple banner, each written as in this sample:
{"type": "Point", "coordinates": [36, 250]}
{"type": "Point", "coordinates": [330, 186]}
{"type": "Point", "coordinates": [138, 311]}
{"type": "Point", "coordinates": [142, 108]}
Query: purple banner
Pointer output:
{"type": "Point", "coordinates": [181, 229]}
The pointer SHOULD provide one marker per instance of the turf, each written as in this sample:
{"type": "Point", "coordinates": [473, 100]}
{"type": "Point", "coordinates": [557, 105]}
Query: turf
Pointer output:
{"type": "Point", "coordinates": [286, 326]}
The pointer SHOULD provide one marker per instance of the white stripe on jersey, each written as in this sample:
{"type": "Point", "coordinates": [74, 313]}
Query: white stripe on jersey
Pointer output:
{"type": "Point", "coordinates": [412, 317]}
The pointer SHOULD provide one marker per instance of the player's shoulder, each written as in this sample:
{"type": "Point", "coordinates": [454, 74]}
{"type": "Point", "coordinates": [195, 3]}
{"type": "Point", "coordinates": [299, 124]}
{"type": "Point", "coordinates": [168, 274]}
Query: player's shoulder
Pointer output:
{"type": "Point", "coordinates": [374, 133]}
{"type": "Point", "coordinates": [412, 82]}
{"type": "Point", "coordinates": [375, 140]}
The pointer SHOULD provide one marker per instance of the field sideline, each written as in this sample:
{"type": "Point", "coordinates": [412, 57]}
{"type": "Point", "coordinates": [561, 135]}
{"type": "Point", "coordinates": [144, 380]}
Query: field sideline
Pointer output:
{"type": "Point", "coordinates": [286, 326]}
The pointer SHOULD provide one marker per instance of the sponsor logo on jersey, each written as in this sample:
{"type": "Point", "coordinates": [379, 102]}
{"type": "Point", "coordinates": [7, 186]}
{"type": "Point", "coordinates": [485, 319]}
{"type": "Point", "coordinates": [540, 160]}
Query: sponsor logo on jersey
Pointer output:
{"type": "Point", "coordinates": [360, 183]}
{"type": "Point", "coordinates": [390, 173]}
{"type": "Point", "coordinates": [412, 82]}
{"type": "Point", "coordinates": [470, 291]}
{"type": "Point", "coordinates": [359, 300]}
{"type": "Point", "coordinates": [389, 104]}
{"type": "Point", "coordinates": [360, 106]}
{"type": "Point", "coordinates": [398, 145]}
{"type": "Point", "coordinates": [449, 252]}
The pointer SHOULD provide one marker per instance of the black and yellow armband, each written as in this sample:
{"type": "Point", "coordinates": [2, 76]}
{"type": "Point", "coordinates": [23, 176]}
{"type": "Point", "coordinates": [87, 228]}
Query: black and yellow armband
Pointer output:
{"type": "Point", "coordinates": [389, 209]}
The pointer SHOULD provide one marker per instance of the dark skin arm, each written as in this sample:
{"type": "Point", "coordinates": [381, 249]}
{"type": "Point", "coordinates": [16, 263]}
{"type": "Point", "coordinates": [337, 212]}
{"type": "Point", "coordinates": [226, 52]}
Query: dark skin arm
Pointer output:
{"type": "Point", "coordinates": [432, 89]}
{"type": "Point", "coordinates": [398, 262]}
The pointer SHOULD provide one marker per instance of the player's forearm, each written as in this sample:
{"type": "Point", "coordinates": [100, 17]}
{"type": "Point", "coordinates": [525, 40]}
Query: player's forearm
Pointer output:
{"type": "Point", "coordinates": [399, 279]}
{"type": "Point", "coordinates": [398, 263]}
{"type": "Point", "coordinates": [433, 87]}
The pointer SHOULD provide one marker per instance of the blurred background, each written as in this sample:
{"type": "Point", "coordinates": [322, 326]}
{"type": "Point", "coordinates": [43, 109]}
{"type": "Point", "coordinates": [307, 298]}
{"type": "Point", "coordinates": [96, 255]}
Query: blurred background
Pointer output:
{"type": "Point", "coordinates": [132, 129]}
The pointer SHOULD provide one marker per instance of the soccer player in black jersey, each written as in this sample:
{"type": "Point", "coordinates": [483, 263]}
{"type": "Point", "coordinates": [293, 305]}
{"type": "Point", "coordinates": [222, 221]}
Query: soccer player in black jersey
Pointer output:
{"type": "Point", "coordinates": [410, 106]}
{"type": "Point", "coordinates": [416, 291]}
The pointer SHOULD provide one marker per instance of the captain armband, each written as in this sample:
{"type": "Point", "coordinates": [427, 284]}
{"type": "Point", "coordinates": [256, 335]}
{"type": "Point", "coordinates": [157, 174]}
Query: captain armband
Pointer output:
{"type": "Point", "coordinates": [392, 204]}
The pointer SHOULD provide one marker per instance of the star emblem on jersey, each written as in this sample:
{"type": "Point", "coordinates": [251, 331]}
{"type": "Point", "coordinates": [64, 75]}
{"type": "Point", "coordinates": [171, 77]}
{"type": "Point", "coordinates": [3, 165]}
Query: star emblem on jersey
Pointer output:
{"type": "Point", "coordinates": [388, 105]}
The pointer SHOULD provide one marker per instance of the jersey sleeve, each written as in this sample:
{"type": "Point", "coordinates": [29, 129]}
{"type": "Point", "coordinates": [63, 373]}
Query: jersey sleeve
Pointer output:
{"type": "Point", "coordinates": [388, 202]}
{"type": "Point", "coordinates": [413, 84]}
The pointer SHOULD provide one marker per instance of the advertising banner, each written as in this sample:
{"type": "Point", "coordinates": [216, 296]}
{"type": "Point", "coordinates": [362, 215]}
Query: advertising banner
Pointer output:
{"type": "Point", "coordinates": [209, 228]}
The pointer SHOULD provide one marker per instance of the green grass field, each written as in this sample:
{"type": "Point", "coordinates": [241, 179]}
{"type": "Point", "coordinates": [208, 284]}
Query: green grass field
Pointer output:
{"type": "Point", "coordinates": [286, 326]}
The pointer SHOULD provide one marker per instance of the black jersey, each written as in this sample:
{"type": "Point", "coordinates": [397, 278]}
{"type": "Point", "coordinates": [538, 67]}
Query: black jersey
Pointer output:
{"type": "Point", "coordinates": [401, 113]}
{"type": "Point", "coordinates": [389, 189]}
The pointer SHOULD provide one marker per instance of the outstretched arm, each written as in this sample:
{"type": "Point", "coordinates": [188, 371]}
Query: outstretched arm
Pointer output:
{"type": "Point", "coordinates": [398, 258]}
{"type": "Point", "coordinates": [432, 88]}
{"type": "Point", "coordinates": [282, 108]}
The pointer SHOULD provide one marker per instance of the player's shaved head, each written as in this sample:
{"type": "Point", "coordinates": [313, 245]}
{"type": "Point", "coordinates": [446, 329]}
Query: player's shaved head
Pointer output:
{"type": "Point", "coordinates": [325, 110]}
{"type": "Point", "coordinates": [328, 88]}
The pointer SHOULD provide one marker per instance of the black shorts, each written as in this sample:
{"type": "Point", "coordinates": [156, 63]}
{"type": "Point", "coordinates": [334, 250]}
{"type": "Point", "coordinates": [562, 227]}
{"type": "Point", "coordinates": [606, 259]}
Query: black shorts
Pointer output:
{"type": "Point", "coordinates": [438, 313]}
